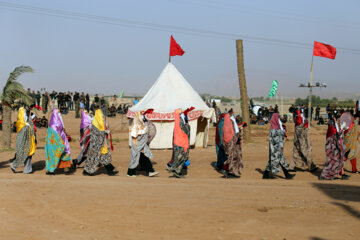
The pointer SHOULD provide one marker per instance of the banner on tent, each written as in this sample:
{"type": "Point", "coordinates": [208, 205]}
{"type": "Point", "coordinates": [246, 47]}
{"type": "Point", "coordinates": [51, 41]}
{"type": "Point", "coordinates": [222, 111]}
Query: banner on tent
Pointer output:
{"type": "Point", "coordinates": [166, 116]}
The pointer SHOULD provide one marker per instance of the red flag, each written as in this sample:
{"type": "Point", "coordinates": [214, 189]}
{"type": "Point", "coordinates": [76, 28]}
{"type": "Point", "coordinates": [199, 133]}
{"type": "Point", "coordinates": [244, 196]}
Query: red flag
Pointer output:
{"type": "Point", "coordinates": [324, 50]}
{"type": "Point", "coordinates": [175, 48]}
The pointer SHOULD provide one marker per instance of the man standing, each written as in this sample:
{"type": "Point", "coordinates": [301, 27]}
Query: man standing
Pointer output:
{"type": "Point", "coordinates": [317, 112]}
{"type": "Point", "coordinates": [38, 98]}
{"type": "Point", "coordinates": [68, 100]}
{"type": "Point", "coordinates": [77, 104]}
{"type": "Point", "coordinates": [44, 102]}
{"type": "Point", "coordinates": [97, 100]}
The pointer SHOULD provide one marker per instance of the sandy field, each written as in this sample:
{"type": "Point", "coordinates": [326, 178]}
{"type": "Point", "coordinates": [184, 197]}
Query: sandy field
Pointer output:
{"type": "Point", "coordinates": [202, 206]}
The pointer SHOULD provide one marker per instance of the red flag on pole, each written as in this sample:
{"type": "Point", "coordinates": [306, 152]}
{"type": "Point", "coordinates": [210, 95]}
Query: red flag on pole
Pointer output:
{"type": "Point", "coordinates": [175, 48]}
{"type": "Point", "coordinates": [324, 50]}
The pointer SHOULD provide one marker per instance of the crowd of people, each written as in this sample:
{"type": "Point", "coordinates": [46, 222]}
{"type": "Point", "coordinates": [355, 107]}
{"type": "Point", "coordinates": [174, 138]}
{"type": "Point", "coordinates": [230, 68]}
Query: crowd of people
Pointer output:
{"type": "Point", "coordinates": [96, 143]}
{"type": "Point", "coordinates": [74, 101]}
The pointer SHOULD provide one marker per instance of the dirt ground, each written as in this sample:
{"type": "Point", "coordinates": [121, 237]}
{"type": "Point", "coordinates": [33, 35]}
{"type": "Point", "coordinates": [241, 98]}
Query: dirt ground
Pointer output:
{"type": "Point", "coordinates": [201, 206]}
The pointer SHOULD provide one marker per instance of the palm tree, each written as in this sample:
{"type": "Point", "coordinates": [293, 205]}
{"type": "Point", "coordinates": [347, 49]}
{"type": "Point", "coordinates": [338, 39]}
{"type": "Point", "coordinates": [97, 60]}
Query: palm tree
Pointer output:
{"type": "Point", "coordinates": [12, 91]}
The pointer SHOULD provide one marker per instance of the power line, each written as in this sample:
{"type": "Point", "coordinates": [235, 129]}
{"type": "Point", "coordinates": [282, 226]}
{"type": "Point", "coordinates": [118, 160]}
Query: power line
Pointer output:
{"type": "Point", "coordinates": [157, 27]}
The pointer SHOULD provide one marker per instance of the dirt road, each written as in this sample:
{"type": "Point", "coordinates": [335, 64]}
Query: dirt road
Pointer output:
{"type": "Point", "coordinates": [202, 206]}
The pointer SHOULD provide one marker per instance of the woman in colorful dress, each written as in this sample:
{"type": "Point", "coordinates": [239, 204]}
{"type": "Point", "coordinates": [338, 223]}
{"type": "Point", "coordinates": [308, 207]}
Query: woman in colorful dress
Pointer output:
{"type": "Point", "coordinates": [228, 147]}
{"type": "Point", "coordinates": [351, 136]}
{"type": "Point", "coordinates": [181, 145]}
{"type": "Point", "coordinates": [302, 154]}
{"type": "Point", "coordinates": [85, 130]}
{"type": "Point", "coordinates": [99, 152]}
{"type": "Point", "coordinates": [335, 153]}
{"type": "Point", "coordinates": [57, 147]}
{"type": "Point", "coordinates": [276, 145]}
{"type": "Point", "coordinates": [142, 133]}
{"type": "Point", "coordinates": [25, 143]}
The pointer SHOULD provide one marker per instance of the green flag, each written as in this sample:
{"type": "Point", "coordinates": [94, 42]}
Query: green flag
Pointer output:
{"type": "Point", "coordinates": [273, 89]}
{"type": "Point", "coordinates": [121, 94]}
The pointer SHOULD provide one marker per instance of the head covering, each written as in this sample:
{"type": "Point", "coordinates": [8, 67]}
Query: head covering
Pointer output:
{"type": "Point", "coordinates": [332, 128]}
{"type": "Point", "coordinates": [98, 120]}
{"type": "Point", "coordinates": [235, 124]}
{"type": "Point", "coordinates": [21, 120]}
{"type": "Point", "coordinates": [275, 121]}
{"type": "Point", "coordinates": [180, 137]}
{"type": "Point", "coordinates": [85, 120]}
{"type": "Point", "coordinates": [56, 123]}
{"type": "Point", "coordinates": [138, 127]}
{"type": "Point", "coordinates": [228, 129]}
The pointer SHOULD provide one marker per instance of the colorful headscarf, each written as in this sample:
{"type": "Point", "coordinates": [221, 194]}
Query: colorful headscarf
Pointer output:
{"type": "Point", "coordinates": [56, 123]}
{"type": "Point", "coordinates": [180, 137]}
{"type": "Point", "coordinates": [98, 120]}
{"type": "Point", "coordinates": [138, 127]}
{"type": "Point", "coordinates": [85, 120]}
{"type": "Point", "coordinates": [228, 128]}
{"type": "Point", "coordinates": [99, 123]}
{"type": "Point", "coordinates": [275, 122]}
{"type": "Point", "coordinates": [21, 120]}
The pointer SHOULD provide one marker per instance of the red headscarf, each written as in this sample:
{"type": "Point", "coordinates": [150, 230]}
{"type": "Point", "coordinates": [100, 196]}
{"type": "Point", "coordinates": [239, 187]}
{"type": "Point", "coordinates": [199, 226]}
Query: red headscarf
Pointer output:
{"type": "Point", "coordinates": [274, 121]}
{"type": "Point", "coordinates": [228, 129]}
{"type": "Point", "coordinates": [180, 138]}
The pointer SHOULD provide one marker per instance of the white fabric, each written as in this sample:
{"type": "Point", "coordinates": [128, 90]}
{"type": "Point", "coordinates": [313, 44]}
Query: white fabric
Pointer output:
{"type": "Point", "coordinates": [170, 91]}
{"type": "Point", "coordinates": [280, 124]}
{"type": "Point", "coordinates": [26, 119]}
{"type": "Point", "coordinates": [138, 127]}
{"type": "Point", "coordinates": [235, 124]}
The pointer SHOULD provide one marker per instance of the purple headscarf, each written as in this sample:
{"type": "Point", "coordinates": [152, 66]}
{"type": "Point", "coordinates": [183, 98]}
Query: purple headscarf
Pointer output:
{"type": "Point", "coordinates": [85, 121]}
{"type": "Point", "coordinates": [57, 125]}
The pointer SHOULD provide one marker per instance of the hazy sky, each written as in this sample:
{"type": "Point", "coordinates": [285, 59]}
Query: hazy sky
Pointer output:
{"type": "Point", "coordinates": [73, 54]}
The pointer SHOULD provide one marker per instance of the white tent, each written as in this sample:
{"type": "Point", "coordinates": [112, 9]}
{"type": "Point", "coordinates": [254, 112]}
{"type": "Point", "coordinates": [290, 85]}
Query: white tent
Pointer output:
{"type": "Point", "coordinates": [169, 92]}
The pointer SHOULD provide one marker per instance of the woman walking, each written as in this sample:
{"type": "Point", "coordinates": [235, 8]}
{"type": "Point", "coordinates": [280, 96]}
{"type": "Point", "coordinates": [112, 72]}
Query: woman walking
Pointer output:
{"type": "Point", "coordinates": [276, 145]}
{"type": "Point", "coordinates": [57, 148]}
{"type": "Point", "coordinates": [142, 133]}
{"type": "Point", "coordinates": [99, 147]}
{"type": "Point", "coordinates": [25, 143]}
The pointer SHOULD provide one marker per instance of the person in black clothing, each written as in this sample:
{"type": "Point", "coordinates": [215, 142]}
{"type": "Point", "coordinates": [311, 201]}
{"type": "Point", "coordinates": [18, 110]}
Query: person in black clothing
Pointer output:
{"type": "Point", "coordinates": [77, 104]}
{"type": "Point", "coordinates": [38, 98]}
{"type": "Point", "coordinates": [317, 112]}
{"type": "Point", "coordinates": [87, 102]}
{"type": "Point", "coordinates": [292, 110]}
{"type": "Point", "coordinates": [97, 99]}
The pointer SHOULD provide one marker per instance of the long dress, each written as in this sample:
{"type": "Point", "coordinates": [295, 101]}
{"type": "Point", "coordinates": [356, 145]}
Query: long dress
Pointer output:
{"type": "Point", "coordinates": [85, 130]}
{"type": "Point", "coordinates": [335, 152]}
{"type": "Point", "coordinates": [229, 154]}
{"type": "Point", "coordinates": [99, 146]}
{"type": "Point", "coordinates": [181, 140]}
{"type": "Point", "coordinates": [25, 143]}
{"type": "Point", "coordinates": [57, 147]}
{"type": "Point", "coordinates": [140, 153]}
{"type": "Point", "coordinates": [351, 144]}
{"type": "Point", "coordinates": [302, 154]}
{"type": "Point", "coordinates": [276, 157]}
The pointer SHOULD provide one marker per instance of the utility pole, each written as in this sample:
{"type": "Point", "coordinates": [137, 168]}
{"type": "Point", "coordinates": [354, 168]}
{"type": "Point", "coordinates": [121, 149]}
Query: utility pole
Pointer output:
{"type": "Point", "coordinates": [243, 89]}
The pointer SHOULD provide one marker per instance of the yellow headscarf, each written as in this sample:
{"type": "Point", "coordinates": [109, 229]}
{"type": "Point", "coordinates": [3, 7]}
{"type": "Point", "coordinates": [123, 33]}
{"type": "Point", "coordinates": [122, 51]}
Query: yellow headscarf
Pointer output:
{"type": "Point", "coordinates": [21, 121]}
{"type": "Point", "coordinates": [98, 122]}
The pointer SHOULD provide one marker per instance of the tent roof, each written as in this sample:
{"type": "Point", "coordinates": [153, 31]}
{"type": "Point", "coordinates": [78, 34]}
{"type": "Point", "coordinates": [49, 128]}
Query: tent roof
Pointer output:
{"type": "Point", "coordinates": [169, 92]}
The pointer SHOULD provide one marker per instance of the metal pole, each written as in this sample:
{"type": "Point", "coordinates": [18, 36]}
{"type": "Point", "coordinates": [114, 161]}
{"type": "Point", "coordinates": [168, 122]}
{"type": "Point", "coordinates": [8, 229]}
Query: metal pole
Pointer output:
{"type": "Point", "coordinates": [310, 89]}
{"type": "Point", "coordinates": [282, 106]}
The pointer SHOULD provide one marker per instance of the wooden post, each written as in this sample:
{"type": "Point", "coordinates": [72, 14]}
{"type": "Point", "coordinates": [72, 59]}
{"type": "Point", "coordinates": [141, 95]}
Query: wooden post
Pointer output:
{"type": "Point", "coordinates": [243, 89]}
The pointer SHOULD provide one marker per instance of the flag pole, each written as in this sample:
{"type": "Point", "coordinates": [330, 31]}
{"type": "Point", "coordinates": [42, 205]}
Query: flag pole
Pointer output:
{"type": "Point", "coordinates": [169, 59]}
{"type": "Point", "coordinates": [310, 88]}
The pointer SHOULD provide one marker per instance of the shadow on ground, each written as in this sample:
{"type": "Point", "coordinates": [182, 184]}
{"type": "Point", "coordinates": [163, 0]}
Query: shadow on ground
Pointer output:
{"type": "Point", "coordinates": [342, 192]}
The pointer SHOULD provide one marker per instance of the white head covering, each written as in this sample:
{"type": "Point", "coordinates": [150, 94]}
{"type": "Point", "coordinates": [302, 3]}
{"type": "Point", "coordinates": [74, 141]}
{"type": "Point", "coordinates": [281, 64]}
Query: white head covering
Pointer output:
{"type": "Point", "coordinates": [235, 124]}
{"type": "Point", "coordinates": [138, 126]}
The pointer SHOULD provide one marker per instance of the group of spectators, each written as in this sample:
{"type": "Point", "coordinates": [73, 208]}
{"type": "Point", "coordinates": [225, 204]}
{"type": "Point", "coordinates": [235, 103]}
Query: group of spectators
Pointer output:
{"type": "Point", "coordinates": [74, 101]}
